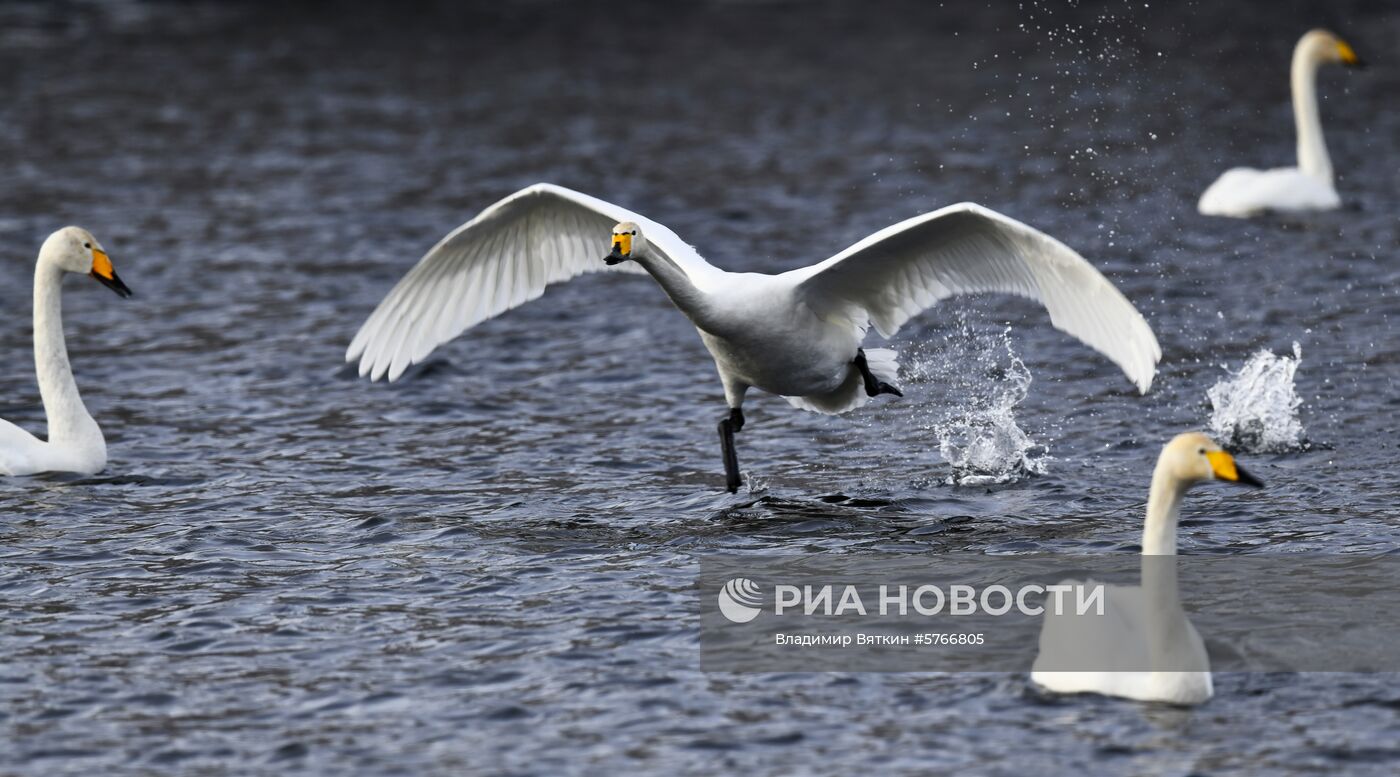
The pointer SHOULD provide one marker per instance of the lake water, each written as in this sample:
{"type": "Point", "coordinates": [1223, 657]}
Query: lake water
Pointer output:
{"type": "Point", "coordinates": [488, 568]}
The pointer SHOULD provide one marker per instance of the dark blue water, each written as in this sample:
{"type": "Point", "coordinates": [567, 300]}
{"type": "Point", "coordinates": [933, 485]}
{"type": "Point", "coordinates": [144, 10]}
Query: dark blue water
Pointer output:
{"type": "Point", "coordinates": [488, 568]}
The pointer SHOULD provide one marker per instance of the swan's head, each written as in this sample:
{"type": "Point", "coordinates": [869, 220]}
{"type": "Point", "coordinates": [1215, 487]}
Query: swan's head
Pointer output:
{"type": "Point", "coordinates": [1326, 46]}
{"type": "Point", "coordinates": [75, 250]}
{"type": "Point", "coordinates": [627, 239]}
{"type": "Point", "coordinates": [1194, 457]}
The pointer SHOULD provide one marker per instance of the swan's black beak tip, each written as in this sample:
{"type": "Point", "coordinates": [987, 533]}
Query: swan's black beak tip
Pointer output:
{"type": "Point", "coordinates": [115, 284]}
{"type": "Point", "coordinates": [1243, 477]}
{"type": "Point", "coordinates": [616, 257]}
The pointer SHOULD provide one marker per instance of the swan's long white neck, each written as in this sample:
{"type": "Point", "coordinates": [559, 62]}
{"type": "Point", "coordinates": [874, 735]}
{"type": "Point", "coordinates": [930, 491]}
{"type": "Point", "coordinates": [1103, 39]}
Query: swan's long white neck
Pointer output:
{"type": "Point", "coordinates": [1312, 151]}
{"type": "Point", "coordinates": [69, 421]}
{"type": "Point", "coordinates": [693, 302]}
{"type": "Point", "coordinates": [1163, 510]}
{"type": "Point", "coordinates": [1166, 621]}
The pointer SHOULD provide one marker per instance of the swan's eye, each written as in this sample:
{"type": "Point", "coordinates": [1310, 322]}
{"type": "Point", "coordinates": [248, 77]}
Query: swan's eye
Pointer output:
{"type": "Point", "coordinates": [634, 232]}
{"type": "Point", "coordinates": [87, 246]}
{"type": "Point", "coordinates": [1203, 451]}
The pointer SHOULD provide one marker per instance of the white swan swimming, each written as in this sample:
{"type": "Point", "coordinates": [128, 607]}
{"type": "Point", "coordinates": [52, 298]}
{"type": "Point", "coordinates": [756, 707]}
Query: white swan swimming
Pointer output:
{"type": "Point", "coordinates": [1143, 646]}
{"type": "Point", "coordinates": [1244, 191]}
{"type": "Point", "coordinates": [75, 442]}
{"type": "Point", "coordinates": [797, 334]}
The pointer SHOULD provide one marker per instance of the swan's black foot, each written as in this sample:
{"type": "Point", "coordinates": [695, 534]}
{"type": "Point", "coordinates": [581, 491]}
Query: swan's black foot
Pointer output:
{"type": "Point", "coordinates": [873, 386]}
{"type": "Point", "coordinates": [727, 427]}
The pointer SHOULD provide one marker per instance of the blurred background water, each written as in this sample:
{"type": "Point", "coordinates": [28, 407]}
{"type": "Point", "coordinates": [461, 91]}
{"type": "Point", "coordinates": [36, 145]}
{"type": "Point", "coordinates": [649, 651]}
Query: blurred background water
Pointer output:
{"type": "Point", "coordinates": [488, 568]}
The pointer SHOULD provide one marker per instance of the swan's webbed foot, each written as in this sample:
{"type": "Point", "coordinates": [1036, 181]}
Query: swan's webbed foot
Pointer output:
{"type": "Point", "coordinates": [727, 427]}
{"type": "Point", "coordinates": [874, 387]}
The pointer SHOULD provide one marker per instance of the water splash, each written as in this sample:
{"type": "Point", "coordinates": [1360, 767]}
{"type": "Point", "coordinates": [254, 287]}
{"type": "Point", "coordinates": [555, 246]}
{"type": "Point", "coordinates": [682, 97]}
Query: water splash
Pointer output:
{"type": "Point", "coordinates": [977, 433]}
{"type": "Point", "coordinates": [1256, 409]}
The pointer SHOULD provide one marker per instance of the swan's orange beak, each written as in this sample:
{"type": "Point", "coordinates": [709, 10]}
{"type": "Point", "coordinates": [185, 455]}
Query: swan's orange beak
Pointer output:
{"type": "Point", "coordinates": [622, 249]}
{"type": "Point", "coordinates": [1348, 55]}
{"type": "Point", "coordinates": [1227, 469]}
{"type": "Point", "coordinates": [104, 273]}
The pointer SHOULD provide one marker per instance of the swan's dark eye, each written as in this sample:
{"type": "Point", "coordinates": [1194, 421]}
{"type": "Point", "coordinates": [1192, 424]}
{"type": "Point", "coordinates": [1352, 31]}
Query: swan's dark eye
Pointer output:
{"type": "Point", "coordinates": [1203, 451]}
{"type": "Point", "coordinates": [634, 231]}
{"type": "Point", "coordinates": [87, 246]}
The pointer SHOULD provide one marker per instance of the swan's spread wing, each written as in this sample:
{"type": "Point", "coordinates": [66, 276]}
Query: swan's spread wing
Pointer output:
{"type": "Point", "coordinates": [504, 257]}
{"type": "Point", "coordinates": [903, 269]}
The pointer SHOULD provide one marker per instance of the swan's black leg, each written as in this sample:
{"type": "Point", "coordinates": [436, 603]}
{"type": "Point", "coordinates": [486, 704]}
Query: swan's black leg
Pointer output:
{"type": "Point", "coordinates": [727, 427]}
{"type": "Point", "coordinates": [873, 387]}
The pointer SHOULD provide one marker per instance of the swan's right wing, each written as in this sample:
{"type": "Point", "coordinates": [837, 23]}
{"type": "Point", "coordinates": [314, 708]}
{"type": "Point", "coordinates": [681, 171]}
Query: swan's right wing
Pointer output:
{"type": "Point", "coordinates": [903, 269]}
{"type": "Point", "coordinates": [504, 257]}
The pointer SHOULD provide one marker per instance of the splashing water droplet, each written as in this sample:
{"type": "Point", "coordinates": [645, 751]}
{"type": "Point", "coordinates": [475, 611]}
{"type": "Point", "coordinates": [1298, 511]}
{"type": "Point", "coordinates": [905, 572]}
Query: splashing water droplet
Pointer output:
{"type": "Point", "coordinates": [977, 431]}
{"type": "Point", "coordinates": [1256, 409]}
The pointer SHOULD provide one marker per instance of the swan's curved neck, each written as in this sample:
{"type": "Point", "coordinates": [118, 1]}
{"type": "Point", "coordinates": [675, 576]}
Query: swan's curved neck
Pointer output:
{"type": "Point", "coordinates": [693, 302]}
{"type": "Point", "coordinates": [1163, 510]}
{"type": "Point", "coordinates": [1312, 151]}
{"type": "Point", "coordinates": [1165, 619]}
{"type": "Point", "coordinates": [69, 421]}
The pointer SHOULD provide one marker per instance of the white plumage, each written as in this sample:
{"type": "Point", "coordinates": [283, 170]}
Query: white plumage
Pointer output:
{"type": "Point", "coordinates": [1244, 191]}
{"type": "Point", "coordinates": [797, 334]}
{"type": "Point", "coordinates": [75, 442]}
{"type": "Point", "coordinates": [1143, 646]}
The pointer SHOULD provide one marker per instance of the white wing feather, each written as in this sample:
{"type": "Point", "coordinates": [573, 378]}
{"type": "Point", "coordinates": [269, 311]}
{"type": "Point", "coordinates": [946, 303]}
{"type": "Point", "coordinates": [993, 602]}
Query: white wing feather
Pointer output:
{"type": "Point", "coordinates": [504, 257]}
{"type": "Point", "coordinates": [906, 268]}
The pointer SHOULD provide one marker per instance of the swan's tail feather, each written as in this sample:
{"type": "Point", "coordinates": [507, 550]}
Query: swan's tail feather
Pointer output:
{"type": "Point", "coordinates": [883, 364]}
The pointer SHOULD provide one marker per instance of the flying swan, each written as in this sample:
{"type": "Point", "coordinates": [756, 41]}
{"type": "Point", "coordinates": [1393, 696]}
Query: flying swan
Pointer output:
{"type": "Point", "coordinates": [1143, 647]}
{"type": "Point", "coordinates": [1244, 191]}
{"type": "Point", "coordinates": [797, 334]}
{"type": "Point", "coordinates": [75, 442]}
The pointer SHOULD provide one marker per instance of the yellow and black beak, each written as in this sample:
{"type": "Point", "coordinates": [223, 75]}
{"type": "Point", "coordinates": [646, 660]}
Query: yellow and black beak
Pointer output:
{"type": "Point", "coordinates": [1348, 55]}
{"type": "Point", "coordinates": [1226, 468]}
{"type": "Point", "coordinates": [105, 275]}
{"type": "Point", "coordinates": [622, 249]}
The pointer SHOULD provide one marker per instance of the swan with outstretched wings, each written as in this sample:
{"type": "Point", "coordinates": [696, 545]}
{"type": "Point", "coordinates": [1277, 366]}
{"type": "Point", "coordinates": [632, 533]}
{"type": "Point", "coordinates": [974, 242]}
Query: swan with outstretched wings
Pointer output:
{"type": "Point", "coordinates": [798, 334]}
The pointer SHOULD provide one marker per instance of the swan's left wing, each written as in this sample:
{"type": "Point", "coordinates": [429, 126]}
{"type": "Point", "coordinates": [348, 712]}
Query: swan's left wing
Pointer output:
{"type": "Point", "coordinates": [904, 269]}
{"type": "Point", "coordinates": [505, 257]}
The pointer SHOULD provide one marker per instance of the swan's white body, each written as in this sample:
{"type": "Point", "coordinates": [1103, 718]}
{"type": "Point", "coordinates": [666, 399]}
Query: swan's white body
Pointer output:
{"type": "Point", "coordinates": [75, 442]}
{"type": "Point", "coordinates": [795, 334]}
{"type": "Point", "coordinates": [1244, 191]}
{"type": "Point", "coordinates": [1142, 647]}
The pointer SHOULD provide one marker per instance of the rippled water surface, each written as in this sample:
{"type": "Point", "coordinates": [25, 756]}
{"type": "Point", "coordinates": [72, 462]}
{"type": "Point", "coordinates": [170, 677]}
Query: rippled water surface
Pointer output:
{"type": "Point", "coordinates": [488, 568]}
